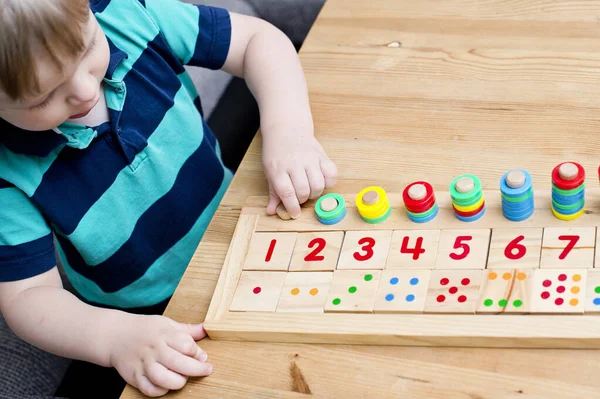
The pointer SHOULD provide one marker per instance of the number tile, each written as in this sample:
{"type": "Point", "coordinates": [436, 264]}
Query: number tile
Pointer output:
{"type": "Point", "coordinates": [413, 249]}
{"type": "Point", "coordinates": [515, 248]}
{"type": "Point", "coordinates": [270, 251]}
{"type": "Point", "coordinates": [564, 247]}
{"type": "Point", "coordinates": [463, 249]}
{"type": "Point", "coordinates": [317, 251]}
{"type": "Point", "coordinates": [365, 249]}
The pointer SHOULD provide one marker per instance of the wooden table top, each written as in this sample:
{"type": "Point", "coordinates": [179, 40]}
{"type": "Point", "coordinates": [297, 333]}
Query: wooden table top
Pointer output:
{"type": "Point", "coordinates": [405, 90]}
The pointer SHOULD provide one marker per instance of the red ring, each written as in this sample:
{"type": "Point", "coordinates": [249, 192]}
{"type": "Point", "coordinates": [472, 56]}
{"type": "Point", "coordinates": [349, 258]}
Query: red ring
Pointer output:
{"type": "Point", "coordinates": [423, 207]}
{"type": "Point", "coordinates": [427, 202]}
{"type": "Point", "coordinates": [470, 213]}
{"type": "Point", "coordinates": [568, 184]}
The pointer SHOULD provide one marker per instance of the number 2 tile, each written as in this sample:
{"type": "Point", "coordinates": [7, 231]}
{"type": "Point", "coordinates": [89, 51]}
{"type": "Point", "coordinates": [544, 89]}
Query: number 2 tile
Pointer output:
{"type": "Point", "coordinates": [564, 248]}
{"type": "Point", "coordinates": [318, 251]}
{"type": "Point", "coordinates": [413, 249]}
{"type": "Point", "coordinates": [515, 248]}
{"type": "Point", "coordinates": [365, 249]}
{"type": "Point", "coordinates": [463, 249]}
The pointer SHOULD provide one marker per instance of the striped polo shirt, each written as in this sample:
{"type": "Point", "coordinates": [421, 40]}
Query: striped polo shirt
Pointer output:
{"type": "Point", "coordinates": [123, 204]}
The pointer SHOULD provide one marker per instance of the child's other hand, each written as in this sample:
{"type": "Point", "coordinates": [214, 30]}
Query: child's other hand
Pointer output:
{"type": "Point", "coordinates": [297, 169]}
{"type": "Point", "coordinates": [156, 354]}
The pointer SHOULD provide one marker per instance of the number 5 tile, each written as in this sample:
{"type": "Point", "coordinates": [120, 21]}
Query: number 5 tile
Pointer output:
{"type": "Point", "coordinates": [365, 249]}
{"type": "Point", "coordinates": [463, 249]}
{"type": "Point", "coordinates": [568, 248]}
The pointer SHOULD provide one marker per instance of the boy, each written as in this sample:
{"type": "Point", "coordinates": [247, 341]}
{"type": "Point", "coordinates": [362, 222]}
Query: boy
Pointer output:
{"type": "Point", "coordinates": [105, 159]}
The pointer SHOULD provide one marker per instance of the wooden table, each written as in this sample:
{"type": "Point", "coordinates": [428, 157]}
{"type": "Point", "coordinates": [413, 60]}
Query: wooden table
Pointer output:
{"type": "Point", "coordinates": [404, 90]}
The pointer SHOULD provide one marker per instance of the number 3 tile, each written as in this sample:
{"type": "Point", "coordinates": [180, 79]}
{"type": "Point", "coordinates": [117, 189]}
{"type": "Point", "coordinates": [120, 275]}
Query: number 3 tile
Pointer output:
{"type": "Point", "coordinates": [463, 249]}
{"type": "Point", "coordinates": [365, 249]}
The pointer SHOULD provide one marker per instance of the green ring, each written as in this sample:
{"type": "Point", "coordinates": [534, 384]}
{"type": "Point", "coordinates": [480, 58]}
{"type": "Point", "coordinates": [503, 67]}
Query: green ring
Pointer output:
{"type": "Point", "coordinates": [422, 214]}
{"type": "Point", "coordinates": [469, 203]}
{"type": "Point", "coordinates": [379, 219]}
{"type": "Point", "coordinates": [574, 191]}
{"type": "Point", "coordinates": [568, 207]}
{"type": "Point", "coordinates": [465, 197]}
{"type": "Point", "coordinates": [523, 197]}
{"type": "Point", "coordinates": [331, 215]}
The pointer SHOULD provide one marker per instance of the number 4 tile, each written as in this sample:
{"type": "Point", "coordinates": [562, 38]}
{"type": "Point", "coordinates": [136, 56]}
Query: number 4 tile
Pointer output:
{"type": "Point", "coordinates": [413, 249]}
{"type": "Point", "coordinates": [463, 249]}
{"type": "Point", "coordinates": [365, 249]}
{"type": "Point", "coordinates": [568, 248]}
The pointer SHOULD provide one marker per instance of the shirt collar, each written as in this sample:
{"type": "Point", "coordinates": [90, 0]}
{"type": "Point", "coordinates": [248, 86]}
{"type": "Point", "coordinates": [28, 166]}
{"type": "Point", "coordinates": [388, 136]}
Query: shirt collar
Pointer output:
{"type": "Point", "coordinates": [42, 143]}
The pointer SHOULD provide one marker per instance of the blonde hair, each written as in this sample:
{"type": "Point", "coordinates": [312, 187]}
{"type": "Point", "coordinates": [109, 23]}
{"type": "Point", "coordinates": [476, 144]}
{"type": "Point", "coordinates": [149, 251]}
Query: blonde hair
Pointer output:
{"type": "Point", "coordinates": [30, 26]}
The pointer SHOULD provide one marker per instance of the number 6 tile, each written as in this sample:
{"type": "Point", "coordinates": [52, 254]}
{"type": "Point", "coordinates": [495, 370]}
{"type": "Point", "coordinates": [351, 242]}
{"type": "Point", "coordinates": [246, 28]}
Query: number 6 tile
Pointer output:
{"type": "Point", "coordinates": [463, 249]}
{"type": "Point", "coordinates": [515, 248]}
{"type": "Point", "coordinates": [365, 249]}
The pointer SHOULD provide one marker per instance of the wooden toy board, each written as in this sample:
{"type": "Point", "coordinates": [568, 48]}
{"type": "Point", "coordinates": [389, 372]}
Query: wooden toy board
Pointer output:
{"type": "Point", "coordinates": [360, 283]}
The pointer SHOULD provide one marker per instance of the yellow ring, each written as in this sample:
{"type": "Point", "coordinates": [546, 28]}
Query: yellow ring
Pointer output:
{"type": "Point", "coordinates": [469, 208]}
{"type": "Point", "coordinates": [375, 214]}
{"type": "Point", "coordinates": [567, 217]}
{"type": "Point", "coordinates": [376, 208]}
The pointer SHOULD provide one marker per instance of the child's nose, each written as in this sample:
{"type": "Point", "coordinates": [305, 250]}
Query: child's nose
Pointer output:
{"type": "Point", "coordinates": [84, 88]}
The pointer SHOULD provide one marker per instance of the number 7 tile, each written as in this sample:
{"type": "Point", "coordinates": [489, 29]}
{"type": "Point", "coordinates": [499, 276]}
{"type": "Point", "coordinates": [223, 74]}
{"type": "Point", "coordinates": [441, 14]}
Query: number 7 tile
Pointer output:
{"type": "Point", "coordinates": [365, 249]}
{"type": "Point", "coordinates": [568, 248]}
{"type": "Point", "coordinates": [463, 249]}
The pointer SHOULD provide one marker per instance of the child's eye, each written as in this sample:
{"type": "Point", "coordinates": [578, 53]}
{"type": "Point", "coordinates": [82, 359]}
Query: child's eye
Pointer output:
{"type": "Point", "coordinates": [42, 105]}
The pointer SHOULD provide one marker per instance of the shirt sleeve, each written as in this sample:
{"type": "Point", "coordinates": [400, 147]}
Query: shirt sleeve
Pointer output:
{"type": "Point", "coordinates": [26, 241]}
{"type": "Point", "coordinates": [199, 35]}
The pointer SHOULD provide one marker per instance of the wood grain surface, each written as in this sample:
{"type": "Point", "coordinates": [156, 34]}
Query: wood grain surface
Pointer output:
{"type": "Point", "coordinates": [405, 90]}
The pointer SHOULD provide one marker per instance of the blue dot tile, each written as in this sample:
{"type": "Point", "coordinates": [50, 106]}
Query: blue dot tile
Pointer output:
{"type": "Point", "coordinates": [596, 301]}
{"type": "Point", "coordinates": [410, 298]}
{"type": "Point", "coordinates": [389, 297]}
{"type": "Point", "coordinates": [414, 281]}
{"type": "Point", "coordinates": [394, 280]}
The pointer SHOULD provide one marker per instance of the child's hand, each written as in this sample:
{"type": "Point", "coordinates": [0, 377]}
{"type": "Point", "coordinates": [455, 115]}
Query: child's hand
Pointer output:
{"type": "Point", "coordinates": [297, 169]}
{"type": "Point", "coordinates": [156, 354]}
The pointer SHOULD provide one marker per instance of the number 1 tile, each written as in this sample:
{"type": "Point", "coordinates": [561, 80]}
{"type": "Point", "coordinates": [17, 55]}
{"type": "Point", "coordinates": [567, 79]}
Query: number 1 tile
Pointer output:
{"type": "Point", "coordinates": [463, 249]}
{"type": "Point", "coordinates": [270, 251]}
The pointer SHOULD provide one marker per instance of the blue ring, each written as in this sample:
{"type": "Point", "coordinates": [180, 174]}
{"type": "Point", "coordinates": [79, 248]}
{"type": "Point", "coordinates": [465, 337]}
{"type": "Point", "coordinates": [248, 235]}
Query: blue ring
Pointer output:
{"type": "Point", "coordinates": [519, 206]}
{"type": "Point", "coordinates": [333, 221]}
{"type": "Point", "coordinates": [428, 218]}
{"type": "Point", "coordinates": [518, 215]}
{"type": "Point", "coordinates": [471, 218]}
{"type": "Point", "coordinates": [568, 200]}
{"type": "Point", "coordinates": [516, 192]}
{"type": "Point", "coordinates": [519, 219]}
{"type": "Point", "coordinates": [571, 212]}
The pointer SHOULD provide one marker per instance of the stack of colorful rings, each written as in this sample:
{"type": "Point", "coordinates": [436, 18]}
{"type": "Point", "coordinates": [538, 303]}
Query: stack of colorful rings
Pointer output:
{"type": "Point", "coordinates": [516, 189]}
{"type": "Point", "coordinates": [568, 190]}
{"type": "Point", "coordinates": [373, 205]}
{"type": "Point", "coordinates": [330, 208]}
{"type": "Point", "coordinates": [467, 198]}
{"type": "Point", "coordinates": [419, 201]}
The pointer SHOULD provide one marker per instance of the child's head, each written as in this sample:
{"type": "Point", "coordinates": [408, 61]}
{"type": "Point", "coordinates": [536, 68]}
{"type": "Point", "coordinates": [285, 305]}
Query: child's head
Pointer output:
{"type": "Point", "coordinates": [53, 57]}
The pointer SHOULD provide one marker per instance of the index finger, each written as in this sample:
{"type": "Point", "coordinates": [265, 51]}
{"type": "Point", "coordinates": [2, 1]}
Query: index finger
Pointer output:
{"type": "Point", "coordinates": [282, 184]}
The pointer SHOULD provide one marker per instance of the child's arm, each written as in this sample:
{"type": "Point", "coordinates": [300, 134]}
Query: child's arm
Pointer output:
{"type": "Point", "coordinates": [153, 353]}
{"type": "Point", "coordinates": [296, 165]}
